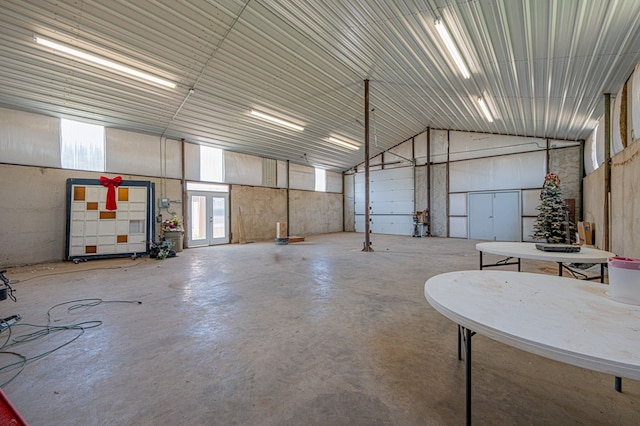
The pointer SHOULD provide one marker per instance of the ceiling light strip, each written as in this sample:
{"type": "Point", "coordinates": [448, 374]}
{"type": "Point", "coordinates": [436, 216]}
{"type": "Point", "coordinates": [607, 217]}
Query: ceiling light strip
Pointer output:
{"type": "Point", "coordinates": [344, 144]}
{"type": "Point", "coordinates": [453, 50]}
{"type": "Point", "coordinates": [485, 110]}
{"type": "Point", "coordinates": [276, 120]}
{"type": "Point", "coordinates": [101, 61]}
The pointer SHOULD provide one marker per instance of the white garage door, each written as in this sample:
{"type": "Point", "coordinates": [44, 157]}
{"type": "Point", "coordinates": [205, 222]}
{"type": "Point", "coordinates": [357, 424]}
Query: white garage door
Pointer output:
{"type": "Point", "coordinates": [391, 201]}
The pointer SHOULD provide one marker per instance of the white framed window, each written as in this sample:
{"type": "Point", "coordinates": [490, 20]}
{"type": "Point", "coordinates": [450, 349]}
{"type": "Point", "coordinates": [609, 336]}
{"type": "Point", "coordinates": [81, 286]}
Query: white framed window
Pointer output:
{"type": "Point", "coordinates": [82, 146]}
{"type": "Point", "coordinates": [211, 164]}
{"type": "Point", "coordinates": [321, 180]}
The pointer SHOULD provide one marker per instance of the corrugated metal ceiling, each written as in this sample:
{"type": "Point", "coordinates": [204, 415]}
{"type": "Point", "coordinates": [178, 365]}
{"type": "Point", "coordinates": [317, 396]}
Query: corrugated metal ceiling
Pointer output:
{"type": "Point", "coordinates": [542, 66]}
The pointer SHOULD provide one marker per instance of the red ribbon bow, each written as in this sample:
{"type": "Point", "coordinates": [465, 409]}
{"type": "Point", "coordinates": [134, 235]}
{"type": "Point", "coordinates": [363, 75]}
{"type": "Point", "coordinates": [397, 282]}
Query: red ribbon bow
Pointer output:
{"type": "Point", "coordinates": [111, 185]}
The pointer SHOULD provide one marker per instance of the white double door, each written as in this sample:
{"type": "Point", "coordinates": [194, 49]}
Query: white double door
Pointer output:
{"type": "Point", "coordinates": [495, 216]}
{"type": "Point", "coordinates": [208, 218]}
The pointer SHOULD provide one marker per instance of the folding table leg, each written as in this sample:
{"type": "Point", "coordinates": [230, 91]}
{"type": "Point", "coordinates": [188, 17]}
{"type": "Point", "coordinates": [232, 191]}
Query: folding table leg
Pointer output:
{"type": "Point", "coordinates": [467, 377]}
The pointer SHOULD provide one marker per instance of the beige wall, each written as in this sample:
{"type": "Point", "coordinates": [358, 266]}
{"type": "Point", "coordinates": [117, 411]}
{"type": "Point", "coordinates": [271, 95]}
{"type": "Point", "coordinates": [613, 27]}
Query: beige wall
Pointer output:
{"type": "Point", "coordinates": [624, 206]}
{"type": "Point", "coordinates": [349, 203]}
{"type": "Point", "coordinates": [593, 202]}
{"type": "Point", "coordinates": [625, 202]}
{"type": "Point", "coordinates": [33, 211]}
{"type": "Point", "coordinates": [314, 212]}
{"type": "Point", "coordinates": [260, 208]}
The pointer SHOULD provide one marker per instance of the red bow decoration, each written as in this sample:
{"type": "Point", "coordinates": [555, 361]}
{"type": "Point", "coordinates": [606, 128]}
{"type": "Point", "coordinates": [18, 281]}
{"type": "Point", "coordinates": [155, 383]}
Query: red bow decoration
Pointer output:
{"type": "Point", "coordinates": [111, 185]}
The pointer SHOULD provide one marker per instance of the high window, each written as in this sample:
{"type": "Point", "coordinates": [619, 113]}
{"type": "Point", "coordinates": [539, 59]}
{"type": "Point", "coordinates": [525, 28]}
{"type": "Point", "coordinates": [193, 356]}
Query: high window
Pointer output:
{"type": "Point", "coordinates": [81, 146]}
{"type": "Point", "coordinates": [211, 164]}
{"type": "Point", "coordinates": [321, 180]}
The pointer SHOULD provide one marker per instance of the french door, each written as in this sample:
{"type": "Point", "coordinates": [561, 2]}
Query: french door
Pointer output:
{"type": "Point", "coordinates": [208, 218]}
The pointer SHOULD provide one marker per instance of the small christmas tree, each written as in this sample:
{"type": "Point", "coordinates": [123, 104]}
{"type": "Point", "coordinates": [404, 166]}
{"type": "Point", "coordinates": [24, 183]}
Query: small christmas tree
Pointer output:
{"type": "Point", "coordinates": [553, 218]}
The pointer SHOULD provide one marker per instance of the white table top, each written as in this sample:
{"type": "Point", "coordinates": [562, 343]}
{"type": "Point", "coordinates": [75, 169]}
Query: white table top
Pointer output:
{"type": "Point", "coordinates": [565, 319]}
{"type": "Point", "coordinates": [529, 251]}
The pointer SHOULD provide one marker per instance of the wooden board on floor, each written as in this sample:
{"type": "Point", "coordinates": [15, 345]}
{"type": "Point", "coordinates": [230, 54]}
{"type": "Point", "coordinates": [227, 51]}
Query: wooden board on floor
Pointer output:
{"type": "Point", "coordinates": [296, 239]}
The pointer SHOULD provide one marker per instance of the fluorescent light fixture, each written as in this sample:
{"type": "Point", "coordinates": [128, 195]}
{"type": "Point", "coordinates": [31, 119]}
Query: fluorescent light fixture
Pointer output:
{"type": "Point", "coordinates": [276, 120]}
{"type": "Point", "coordinates": [453, 50]}
{"type": "Point", "coordinates": [101, 61]}
{"type": "Point", "coordinates": [342, 143]}
{"type": "Point", "coordinates": [485, 110]}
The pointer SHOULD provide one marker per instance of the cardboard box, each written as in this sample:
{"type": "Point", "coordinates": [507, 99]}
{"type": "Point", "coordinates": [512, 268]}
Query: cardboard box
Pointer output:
{"type": "Point", "coordinates": [585, 231]}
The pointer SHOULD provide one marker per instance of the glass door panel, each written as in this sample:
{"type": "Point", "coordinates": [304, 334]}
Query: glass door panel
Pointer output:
{"type": "Point", "coordinates": [219, 217]}
{"type": "Point", "coordinates": [198, 218]}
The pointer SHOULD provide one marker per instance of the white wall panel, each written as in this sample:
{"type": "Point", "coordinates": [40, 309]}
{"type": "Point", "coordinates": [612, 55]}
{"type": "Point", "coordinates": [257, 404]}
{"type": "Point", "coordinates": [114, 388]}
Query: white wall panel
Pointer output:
{"type": "Point", "coordinates": [616, 137]}
{"type": "Point", "coordinates": [173, 160]}
{"type": "Point", "coordinates": [530, 200]}
{"type": "Point", "coordinates": [458, 227]}
{"type": "Point", "coordinates": [29, 139]}
{"type": "Point", "coordinates": [467, 145]}
{"type": "Point", "coordinates": [589, 157]}
{"type": "Point", "coordinates": [269, 172]}
{"type": "Point", "coordinates": [334, 182]}
{"type": "Point", "coordinates": [242, 169]}
{"type": "Point", "coordinates": [420, 148]}
{"type": "Point", "coordinates": [527, 228]}
{"type": "Point", "coordinates": [192, 155]}
{"type": "Point", "coordinates": [494, 173]}
{"type": "Point", "coordinates": [458, 204]}
{"type": "Point", "coordinates": [302, 177]}
{"type": "Point", "coordinates": [402, 153]}
{"type": "Point", "coordinates": [133, 153]}
{"type": "Point", "coordinates": [282, 173]}
{"type": "Point", "coordinates": [374, 164]}
{"type": "Point", "coordinates": [599, 144]}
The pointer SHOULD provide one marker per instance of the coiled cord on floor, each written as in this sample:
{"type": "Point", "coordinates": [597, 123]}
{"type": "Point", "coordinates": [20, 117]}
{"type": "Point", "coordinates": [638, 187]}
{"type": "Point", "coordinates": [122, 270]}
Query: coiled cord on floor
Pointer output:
{"type": "Point", "coordinates": [48, 329]}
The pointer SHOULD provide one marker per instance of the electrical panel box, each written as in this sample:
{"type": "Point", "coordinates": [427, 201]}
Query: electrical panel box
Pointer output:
{"type": "Point", "coordinates": [164, 203]}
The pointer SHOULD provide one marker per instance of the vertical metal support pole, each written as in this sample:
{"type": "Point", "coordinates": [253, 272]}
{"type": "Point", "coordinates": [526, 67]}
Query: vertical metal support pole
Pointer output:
{"type": "Point", "coordinates": [602, 273]}
{"type": "Point", "coordinates": [548, 157]}
{"type": "Point", "coordinates": [607, 169]}
{"type": "Point", "coordinates": [467, 370]}
{"type": "Point", "coordinates": [185, 195]}
{"type": "Point", "coordinates": [618, 384]}
{"type": "Point", "coordinates": [367, 215]}
{"type": "Point", "coordinates": [519, 263]}
{"type": "Point", "coordinates": [288, 174]}
{"type": "Point", "coordinates": [428, 172]}
{"type": "Point", "coordinates": [459, 342]}
{"type": "Point", "coordinates": [580, 205]}
{"type": "Point", "coordinates": [481, 264]}
{"type": "Point", "coordinates": [448, 219]}
{"type": "Point", "coordinates": [559, 269]}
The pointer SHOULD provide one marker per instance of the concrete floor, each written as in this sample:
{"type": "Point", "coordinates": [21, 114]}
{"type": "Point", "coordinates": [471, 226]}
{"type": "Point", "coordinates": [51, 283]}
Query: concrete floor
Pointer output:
{"type": "Point", "coordinates": [313, 333]}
